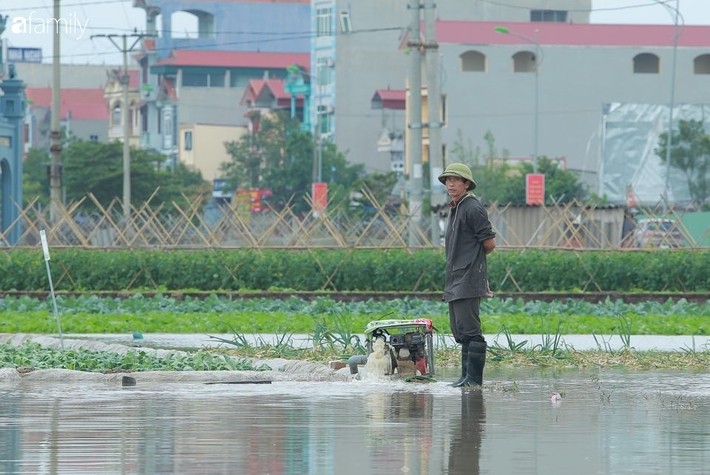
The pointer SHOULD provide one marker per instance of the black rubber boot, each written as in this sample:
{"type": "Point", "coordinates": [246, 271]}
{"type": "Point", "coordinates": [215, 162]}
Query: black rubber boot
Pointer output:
{"type": "Point", "coordinates": [464, 365]}
{"type": "Point", "coordinates": [476, 362]}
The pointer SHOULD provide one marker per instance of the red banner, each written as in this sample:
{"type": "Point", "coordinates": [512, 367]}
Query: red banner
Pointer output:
{"type": "Point", "coordinates": [534, 189]}
{"type": "Point", "coordinates": [320, 196]}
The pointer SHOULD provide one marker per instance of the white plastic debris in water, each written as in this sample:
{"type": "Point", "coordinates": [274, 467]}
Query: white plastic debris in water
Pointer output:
{"type": "Point", "coordinates": [378, 363]}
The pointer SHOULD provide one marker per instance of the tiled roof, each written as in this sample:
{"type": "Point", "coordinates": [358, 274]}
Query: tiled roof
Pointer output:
{"type": "Point", "coordinates": [275, 86]}
{"type": "Point", "coordinates": [391, 98]}
{"type": "Point", "coordinates": [234, 59]}
{"type": "Point", "coordinates": [144, 3]}
{"type": "Point", "coordinates": [571, 34]}
{"type": "Point", "coordinates": [84, 104]}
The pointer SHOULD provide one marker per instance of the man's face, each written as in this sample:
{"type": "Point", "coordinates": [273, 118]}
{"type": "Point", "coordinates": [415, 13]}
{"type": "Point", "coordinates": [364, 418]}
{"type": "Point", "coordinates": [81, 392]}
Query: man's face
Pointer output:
{"type": "Point", "coordinates": [456, 187]}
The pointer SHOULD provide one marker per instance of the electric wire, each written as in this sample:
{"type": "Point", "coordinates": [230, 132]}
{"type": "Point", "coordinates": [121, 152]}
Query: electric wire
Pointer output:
{"type": "Point", "coordinates": [210, 45]}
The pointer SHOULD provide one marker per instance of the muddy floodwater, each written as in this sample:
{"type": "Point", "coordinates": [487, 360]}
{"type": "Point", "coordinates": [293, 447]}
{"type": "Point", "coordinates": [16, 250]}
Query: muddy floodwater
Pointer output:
{"type": "Point", "coordinates": [603, 422]}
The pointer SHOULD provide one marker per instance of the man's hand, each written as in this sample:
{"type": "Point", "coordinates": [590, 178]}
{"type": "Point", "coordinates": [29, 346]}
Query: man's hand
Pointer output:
{"type": "Point", "coordinates": [489, 245]}
{"type": "Point", "coordinates": [489, 294]}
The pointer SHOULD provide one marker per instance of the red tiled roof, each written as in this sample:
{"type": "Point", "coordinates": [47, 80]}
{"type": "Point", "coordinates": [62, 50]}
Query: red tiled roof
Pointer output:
{"type": "Point", "coordinates": [143, 3]}
{"type": "Point", "coordinates": [277, 87]}
{"type": "Point", "coordinates": [84, 104]}
{"type": "Point", "coordinates": [391, 98]}
{"type": "Point", "coordinates": [169, 86]}
{"type": "Point", "coordinates": [234, 59]}
{"type": "Point", "coordinates": [571, 34]}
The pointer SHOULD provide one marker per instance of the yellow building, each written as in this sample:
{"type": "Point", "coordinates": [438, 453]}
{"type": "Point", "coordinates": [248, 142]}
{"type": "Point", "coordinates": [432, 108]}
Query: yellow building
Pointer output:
{"type": "Point", "coordinates": [201, 146]}
{"type": "Point", "coordinates": [443, 117]}
{"type": "Point", "coordinates": [113, 92]}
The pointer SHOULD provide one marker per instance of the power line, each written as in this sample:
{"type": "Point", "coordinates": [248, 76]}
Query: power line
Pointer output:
{"type": "Point", "coordinates": [64, 5]}
{"type": "Point", "coordinates": [268, 40]}
{"type": "Point", "coordinates": [579, 10]}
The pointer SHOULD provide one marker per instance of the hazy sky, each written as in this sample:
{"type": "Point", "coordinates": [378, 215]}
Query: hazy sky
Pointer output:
{"type": "Point", "coordinates": [118, 16]}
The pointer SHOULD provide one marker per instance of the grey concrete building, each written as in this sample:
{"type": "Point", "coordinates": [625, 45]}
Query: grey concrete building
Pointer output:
{"type": "Point", "coordinates": [355, 52]}
{"type": "Point", "coordinates": [583, 69]}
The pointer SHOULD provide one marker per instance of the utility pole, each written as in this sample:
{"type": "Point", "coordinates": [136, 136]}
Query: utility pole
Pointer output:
{"type": "Point", "coordinates": [124, 112]}
{"type": "Point", "coordinates": [669, 141]}
{"type": "Point", "coordinates": [436, 159]}
{"type": "Point", "coordinates": [414, 144]}
{"type": "Point", "coordinates": [55, 167]}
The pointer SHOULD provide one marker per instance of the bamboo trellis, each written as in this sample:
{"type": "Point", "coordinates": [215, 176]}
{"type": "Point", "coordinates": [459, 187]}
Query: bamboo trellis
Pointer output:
{"type": "Point", "coordinates": [571, 226]}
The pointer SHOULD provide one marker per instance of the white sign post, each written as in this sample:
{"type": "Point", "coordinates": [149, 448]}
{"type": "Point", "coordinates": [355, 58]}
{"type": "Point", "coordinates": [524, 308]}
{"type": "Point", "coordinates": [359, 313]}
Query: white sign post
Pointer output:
{"type": "Point", "coordinates": [45, 249]}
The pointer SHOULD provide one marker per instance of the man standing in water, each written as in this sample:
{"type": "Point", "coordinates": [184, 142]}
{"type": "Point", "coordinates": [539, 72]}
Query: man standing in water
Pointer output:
{"type": "Point", "coordinates": [469, 238]}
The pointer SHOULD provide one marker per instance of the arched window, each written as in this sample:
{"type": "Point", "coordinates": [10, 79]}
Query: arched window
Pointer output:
{"type": "Point", "coordinates": [647, 63]}
{"type": "Point", "coordinates": [116, 116]}
{"type": "Point", "coordinates": [473, 61]}
{"type": "Point", "coordinates": [701, 64]}
{"type": "Point", "coordinates": [524, 62]}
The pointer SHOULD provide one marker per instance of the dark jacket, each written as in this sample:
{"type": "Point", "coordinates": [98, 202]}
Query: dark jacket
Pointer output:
{"type": "Point", "coordinates": [466, 268]}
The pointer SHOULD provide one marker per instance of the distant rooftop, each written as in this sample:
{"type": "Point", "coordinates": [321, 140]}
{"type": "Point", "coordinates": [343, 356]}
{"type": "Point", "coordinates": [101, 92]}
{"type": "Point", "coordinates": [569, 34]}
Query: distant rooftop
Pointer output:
{"type": "Point", "coordinates": [275, 87]}
{"type": "Point", "coordinates": [570, 34]}
{"type": "Point", "coordinates": [144, 3]}
{"type": "Point", "coordinates": [234, 59]}
{"type": "Point", "coordinates": [84, 104]}
{"type": "Point", "coordinates": [389, 99]}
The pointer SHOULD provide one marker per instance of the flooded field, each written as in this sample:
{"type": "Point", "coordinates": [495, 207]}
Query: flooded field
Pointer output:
{"type": "Point", "coordinates": [603, 422]}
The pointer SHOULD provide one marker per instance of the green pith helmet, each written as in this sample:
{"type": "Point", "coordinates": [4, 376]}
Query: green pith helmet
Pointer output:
{"type": "Point", "coordinates": [460, 170]}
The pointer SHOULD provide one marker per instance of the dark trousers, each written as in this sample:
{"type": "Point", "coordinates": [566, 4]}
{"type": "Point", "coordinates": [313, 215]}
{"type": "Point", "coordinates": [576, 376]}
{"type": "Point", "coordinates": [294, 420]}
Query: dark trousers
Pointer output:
{"type": "Point", "coordinates": [465, 320]}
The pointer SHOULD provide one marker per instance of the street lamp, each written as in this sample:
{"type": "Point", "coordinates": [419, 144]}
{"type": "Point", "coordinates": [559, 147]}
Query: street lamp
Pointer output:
{"type": "Point", "coordinates": [538, 62]}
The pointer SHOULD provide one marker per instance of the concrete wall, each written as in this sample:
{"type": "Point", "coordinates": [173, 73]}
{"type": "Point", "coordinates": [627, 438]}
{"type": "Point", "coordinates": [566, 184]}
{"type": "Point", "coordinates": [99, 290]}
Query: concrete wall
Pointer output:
{"type": "Point", "coordinates": [367, 61]}
{"type": "Point", "coordinates": [208, 151]}
{"type": "Point", "coordinates": [240, 27]}
{"type": "Point", "coordinates": [218, 106]}
{"type": "Point", "coordinates": [83, 129]}
{"type": "Point", "coordinates": [574, 84]}
{"type": "Point", "coordinates": [73, 76]}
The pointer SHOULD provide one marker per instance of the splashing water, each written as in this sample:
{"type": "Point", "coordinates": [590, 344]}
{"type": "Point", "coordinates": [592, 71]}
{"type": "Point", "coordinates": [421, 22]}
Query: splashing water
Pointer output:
{"type": "Point", "coordinates": [378, 363]}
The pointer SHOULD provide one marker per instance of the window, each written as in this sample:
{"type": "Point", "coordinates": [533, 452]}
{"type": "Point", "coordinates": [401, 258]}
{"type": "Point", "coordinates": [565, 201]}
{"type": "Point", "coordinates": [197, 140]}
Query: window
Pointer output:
{"type": "Point", "coordinates": [116, 117]}
{"type": "Point", "coordinates": [187, 140]}
{"type": "Point", "coordinates": [701, 64]}
{"type": "Point", "coordinates": [346, 25]}
{"type": "Point", "coordinates": [646, 63]}
{"type": "Point", "coordinates": [324, 21]}
{"type": "Point", "coordinates": [168, 135]}
{"type": "Point", "coordinates": [323, 70]}
{"type": "Point", "coordinates": [201, 79]}
{"type": "Point", "coordinates": [144, 118]}
{"type": "Point", "coordinates": [195, 79]}
{"type": "Point", "coordinates": [238, 80]}
{"type": "Point", "coordinates": [524, 62]}
{"type": "Point", "coordinates": [216, 79]}
{"type": "Point", "coordinates": [473, 61]}
{"type": "Point", "coordinates": [325, 119]}
{"type": "Point", "coordinates": [555, 16]}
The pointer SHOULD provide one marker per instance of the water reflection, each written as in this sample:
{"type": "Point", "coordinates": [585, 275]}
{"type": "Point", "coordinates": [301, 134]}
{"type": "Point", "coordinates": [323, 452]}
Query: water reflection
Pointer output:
{"type": "Point", "coordinates": [612, 422]}
{"type": "Point", "coordinates": [467, 434]}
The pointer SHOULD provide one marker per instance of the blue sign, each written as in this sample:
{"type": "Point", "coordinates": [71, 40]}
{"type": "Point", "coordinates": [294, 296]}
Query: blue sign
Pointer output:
{"type": "Point", "coordinates": [24, 55]}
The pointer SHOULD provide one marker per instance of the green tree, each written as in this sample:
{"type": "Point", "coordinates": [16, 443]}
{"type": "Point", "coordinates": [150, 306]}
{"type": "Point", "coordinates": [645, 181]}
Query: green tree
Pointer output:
{"type": "Point", "coordinates": [499, 181]}
{"type": "Point", "coordinates": [280, 158]}
{"type": "Point", "coordinates": [690, 153]}
{"type": "Point", "coordinates": [35, 181]}
{"type": "Point", "coordinates": [93, 167]}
